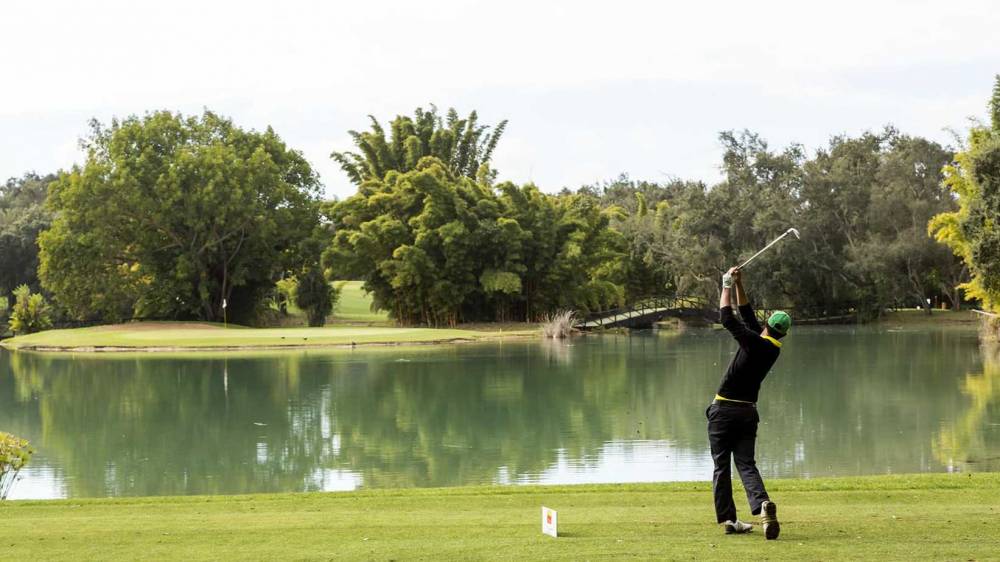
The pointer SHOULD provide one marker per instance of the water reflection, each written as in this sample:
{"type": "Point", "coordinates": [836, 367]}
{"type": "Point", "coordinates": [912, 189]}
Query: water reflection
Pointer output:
{"type": "Point", "coordinates": [602, 409]}
{"type": "Point", "coordinates": [972, 441]}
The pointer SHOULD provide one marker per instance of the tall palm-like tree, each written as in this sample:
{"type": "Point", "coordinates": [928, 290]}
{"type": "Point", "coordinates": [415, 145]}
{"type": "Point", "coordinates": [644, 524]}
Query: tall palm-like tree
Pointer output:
{"type": "Point", "coordinates": [463, 145]}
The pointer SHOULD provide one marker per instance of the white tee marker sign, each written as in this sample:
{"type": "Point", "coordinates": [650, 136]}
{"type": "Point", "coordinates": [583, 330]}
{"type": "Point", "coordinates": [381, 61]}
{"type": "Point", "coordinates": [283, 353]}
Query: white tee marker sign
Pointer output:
{"type": "Point", "coordinates": [549, 522]}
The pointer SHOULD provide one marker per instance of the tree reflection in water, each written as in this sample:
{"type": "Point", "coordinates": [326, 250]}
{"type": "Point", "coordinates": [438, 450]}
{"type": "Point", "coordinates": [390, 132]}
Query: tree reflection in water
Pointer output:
{"type": "Point", "coordinates": [972, 441]}
{"type": "Point", "coordinates": [840, 401]}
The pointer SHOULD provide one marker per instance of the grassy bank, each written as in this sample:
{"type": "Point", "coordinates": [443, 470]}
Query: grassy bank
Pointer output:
{"type": "Point", "coordinates": [937, 318]}
{"type": "Point", "coordinates": [932, 517]}
{"type": "Point", "coordinates": [352, 322]}
{"type": "Point", "coordinates": [167, 336]}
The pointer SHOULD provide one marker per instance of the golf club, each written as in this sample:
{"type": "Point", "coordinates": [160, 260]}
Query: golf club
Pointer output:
{"type": "Point", "coordinates": [773, 242]}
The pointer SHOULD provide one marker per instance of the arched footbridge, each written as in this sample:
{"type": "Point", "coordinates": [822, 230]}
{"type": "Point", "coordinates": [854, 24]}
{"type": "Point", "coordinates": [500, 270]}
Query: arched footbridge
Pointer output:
{"type": "Point", "coordinates": [644, 313]}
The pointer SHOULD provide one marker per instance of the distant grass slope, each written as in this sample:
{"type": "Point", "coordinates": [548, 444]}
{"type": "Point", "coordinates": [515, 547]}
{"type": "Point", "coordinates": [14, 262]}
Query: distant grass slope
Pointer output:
{"type": "Point", "coordinates": [919, 318]}
{"type": "Point", "coordinates": [355, 305]}
{"type": "Point", "coordinates": [926, 517]}
{"type": "Point", "coordinates": [177, 335]}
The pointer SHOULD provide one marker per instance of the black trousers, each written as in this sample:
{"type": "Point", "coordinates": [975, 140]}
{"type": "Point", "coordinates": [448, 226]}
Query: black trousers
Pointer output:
{"type": "Point", "coordinates": [732, 432]}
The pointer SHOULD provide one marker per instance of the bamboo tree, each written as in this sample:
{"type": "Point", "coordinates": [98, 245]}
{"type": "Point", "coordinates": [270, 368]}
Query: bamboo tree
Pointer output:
{"type": "Point", "coordinates": [462, 145]}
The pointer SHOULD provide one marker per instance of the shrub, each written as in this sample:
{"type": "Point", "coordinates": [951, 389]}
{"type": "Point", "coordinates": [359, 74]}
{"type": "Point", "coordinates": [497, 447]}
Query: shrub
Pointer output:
{"type": "Point", "coordinates": [31, 313]}
{"type": "Point", "coordinates": [315, 296]}
{"type": "Point", "coordinates": [14, 454]}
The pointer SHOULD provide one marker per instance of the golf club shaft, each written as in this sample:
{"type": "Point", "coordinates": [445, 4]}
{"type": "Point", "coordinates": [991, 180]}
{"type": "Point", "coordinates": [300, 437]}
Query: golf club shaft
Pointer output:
{"type": "Point", "coordinates": [773, 242]}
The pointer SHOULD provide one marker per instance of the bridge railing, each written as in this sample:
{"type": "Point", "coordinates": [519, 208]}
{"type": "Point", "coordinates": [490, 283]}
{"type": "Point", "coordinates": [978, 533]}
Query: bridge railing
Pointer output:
{"type": "Point", "coordinates": [832, 312]}
{"type": "Point", "coordinates": [644, 306]}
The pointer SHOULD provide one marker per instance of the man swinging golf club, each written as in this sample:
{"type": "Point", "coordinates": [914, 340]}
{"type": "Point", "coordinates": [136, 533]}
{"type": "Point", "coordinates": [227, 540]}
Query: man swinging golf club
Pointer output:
{"type": "Point", "coordinates": [732, 416]}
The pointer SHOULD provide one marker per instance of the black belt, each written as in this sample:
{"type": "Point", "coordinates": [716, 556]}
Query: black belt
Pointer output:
{"type": "Point", "coordinates": [734, 404]}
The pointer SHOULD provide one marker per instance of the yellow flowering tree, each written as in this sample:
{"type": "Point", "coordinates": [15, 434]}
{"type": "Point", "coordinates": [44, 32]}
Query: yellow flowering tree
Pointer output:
{"type": "Point", "coordinates": [973, 232]}
{"type": "Point", "coordinates": [14, 455]}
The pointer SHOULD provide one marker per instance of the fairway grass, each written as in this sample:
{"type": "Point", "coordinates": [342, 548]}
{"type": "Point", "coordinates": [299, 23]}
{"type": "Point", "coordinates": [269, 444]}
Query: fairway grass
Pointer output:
{"type": "Point", "coordinates": [354, 305]}
{"type": "Point", "coordinates": [174, 336]}
{"type": "Point", "coordinates": [925, 517]}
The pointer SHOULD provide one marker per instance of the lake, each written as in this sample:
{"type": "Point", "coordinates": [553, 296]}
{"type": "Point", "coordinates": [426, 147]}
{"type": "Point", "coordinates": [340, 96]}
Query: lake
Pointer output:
{"type": "Point", "coordinates": [612, 408]}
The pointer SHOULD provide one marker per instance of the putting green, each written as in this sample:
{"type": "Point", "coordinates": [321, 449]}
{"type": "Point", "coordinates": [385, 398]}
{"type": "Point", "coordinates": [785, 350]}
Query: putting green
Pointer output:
{"type": "Point", "coordinates": [175, 335]}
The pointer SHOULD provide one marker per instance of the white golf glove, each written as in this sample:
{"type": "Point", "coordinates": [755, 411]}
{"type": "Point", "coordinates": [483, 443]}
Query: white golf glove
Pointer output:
{"type": "Point", "coordinates": [727, 280]}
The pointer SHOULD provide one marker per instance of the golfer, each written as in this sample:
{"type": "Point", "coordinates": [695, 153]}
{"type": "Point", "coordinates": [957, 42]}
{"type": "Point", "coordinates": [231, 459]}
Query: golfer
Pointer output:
{"type": "Point", "coordinates": [732, 416]}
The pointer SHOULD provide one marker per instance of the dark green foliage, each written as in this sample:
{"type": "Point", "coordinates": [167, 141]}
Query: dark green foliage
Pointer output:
{"type": "Point", "coordinates": [439, 248]}
{"type": "Point", "coordinates": [462, 145]}
{"type": "Point", "coordinates": [861, 205]}
{"type": "Point", "coordinates": [315, 296]}
{"type": "Point", "coordinates": [4, 314]}
{"type": "Point", "coordinates": [984, 220]}
{"type": "Point", "coordinates": [995, 105]}
{"type": "Point", "coordinates": [171, 215]}
{"type": "Point", "coordinates": [631, 206]}
{"type": "Point", "coordinates": [22, 217]}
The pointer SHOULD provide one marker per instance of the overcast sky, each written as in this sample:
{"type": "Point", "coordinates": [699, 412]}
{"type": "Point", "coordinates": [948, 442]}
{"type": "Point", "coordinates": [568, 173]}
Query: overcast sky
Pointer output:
{"type": "Point", "coordinates": [591, 89]}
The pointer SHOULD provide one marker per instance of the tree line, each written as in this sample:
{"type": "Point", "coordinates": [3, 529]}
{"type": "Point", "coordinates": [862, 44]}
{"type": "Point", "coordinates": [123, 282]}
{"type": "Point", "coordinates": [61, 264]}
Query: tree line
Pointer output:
{"type": "Point", "coordinates": [862, 206]}
{"type": "Point", "coordinates": [193, 217]}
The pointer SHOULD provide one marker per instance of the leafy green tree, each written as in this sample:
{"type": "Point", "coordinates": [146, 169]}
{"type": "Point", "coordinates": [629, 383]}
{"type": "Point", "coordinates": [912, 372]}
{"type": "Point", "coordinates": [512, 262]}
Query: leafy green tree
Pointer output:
{"type": "Point", "coordinates": [462, 145]}
{"type": "Point", "coordinates": [4, 313]}
{"type": "Point", "coordinates": [315, 295]}
{"type": "Point", "coordinates": [698, 232]}
{"type": "Point", "coordinates": [838, 187]}
{"type": "Point", "coordinates": [22, 217]}
{"type": "Point", "coordinates": [501, 287]}
{"type": "Point", "coordinates": [909, 191]}
{"type": "Point", "coordinates": [972, 231]}
{"type": "Point", "coordinates": [686, 239]}
{"type": "Point", "coordinates": [632, 206]}
{"type": "Point", "coordinates": [438, 248]}
{"type": "Point", "coordinates": [863, 204]}
{"type": "Point", "coordinates": [30, 313]}
{"type": "Point", "coordinates": [994, 104]}
{"type": "Point", "coordinates": [418, 239]}
{"type": "Point", "coordinates": [172, 215]}
{"type": "Point", "coordinates": [570, 257]}
{"type": "Point", "coordinates": [860, 204]}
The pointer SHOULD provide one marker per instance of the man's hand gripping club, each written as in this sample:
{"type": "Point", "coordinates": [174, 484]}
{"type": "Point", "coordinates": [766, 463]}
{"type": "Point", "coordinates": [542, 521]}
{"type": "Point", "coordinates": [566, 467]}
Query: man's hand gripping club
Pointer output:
{"type": "Point", "coordinates": [733, 277]}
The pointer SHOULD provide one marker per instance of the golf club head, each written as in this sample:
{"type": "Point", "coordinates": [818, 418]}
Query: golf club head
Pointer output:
{"type": "Point", "coordinates": [796, 233]}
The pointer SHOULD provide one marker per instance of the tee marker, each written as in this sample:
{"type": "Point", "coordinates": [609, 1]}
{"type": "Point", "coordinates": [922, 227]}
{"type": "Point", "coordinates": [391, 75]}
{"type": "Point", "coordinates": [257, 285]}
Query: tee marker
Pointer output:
{"type": "Point", "coordinates": [549, 522]}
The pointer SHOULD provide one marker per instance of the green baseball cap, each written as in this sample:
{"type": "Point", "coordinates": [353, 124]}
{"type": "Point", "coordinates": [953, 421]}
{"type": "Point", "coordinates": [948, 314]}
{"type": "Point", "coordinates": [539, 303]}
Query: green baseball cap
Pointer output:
{"type": "Point", "coordinates": [780, 322]}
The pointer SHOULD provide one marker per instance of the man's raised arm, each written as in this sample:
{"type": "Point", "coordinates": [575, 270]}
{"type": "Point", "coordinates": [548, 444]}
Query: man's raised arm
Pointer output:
{"type": "Point", "coordinates": [726, 299]}
{"type": "Point", "coordinates": [743, 303]}
{"type": "Point", "coordinates": [741, 333]}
